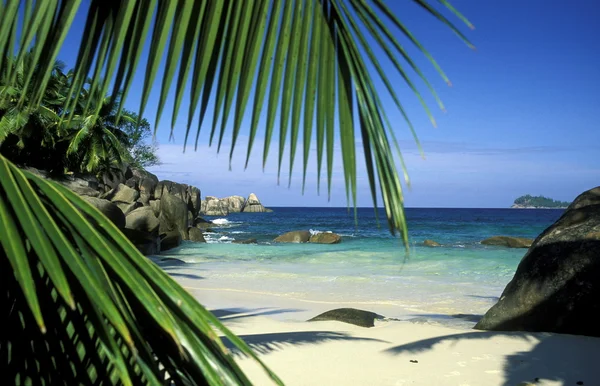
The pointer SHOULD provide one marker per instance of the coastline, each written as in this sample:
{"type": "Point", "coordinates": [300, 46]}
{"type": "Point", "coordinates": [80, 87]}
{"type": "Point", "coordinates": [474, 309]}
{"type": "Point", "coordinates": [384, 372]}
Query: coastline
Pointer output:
{"type": "Point", "coordinates": [406, 352]}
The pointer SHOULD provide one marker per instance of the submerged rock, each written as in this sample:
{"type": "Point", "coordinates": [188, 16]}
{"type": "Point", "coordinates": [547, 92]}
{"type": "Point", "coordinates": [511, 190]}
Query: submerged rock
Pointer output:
{"type": "Point", "coordinates": [349, 315]}
{"type": "Point", "coordinates": [325, 238]}
{"type": "Point", "coordinates": [431, 243]}
{"type": "Point", "coordinates": [508, 241]}
{"type": "Point", "coordinates": [247, 241]}
{"type": "Point", "coordinates": [293, 237]}
{"type": "Point", "coordinates": [556, 286]}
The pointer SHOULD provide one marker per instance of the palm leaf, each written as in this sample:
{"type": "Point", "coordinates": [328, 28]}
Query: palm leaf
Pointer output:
{"type": "Point", "coordinates": [83, 294]}
{"type": "Point", "coordinates": [249, 28]}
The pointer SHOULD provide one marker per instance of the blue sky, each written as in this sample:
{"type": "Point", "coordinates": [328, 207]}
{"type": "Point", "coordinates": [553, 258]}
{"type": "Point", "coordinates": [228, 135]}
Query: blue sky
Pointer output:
{"type": "Point", "coordinates": [521, 115]}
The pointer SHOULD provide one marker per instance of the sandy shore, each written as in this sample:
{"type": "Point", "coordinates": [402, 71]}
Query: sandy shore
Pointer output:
{"type": "Point", "coordinates": [392, 352]}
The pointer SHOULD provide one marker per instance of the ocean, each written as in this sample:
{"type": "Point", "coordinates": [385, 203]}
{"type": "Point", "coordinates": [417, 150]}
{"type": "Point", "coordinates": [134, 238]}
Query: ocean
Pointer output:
{"type": "Point", "coordinates": [452, 284]}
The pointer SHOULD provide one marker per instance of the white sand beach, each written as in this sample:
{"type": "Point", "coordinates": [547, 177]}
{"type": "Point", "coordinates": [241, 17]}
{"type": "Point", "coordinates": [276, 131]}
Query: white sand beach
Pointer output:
{"type": "Point", "coordinates": [391, 353]}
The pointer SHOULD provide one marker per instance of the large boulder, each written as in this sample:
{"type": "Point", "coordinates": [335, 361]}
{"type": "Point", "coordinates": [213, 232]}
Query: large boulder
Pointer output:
{"type": "Point", "coordinates": [122, 193]}
{"type": "Point", "coordinates": [196, 235]}
{"type": "Point", "coordinates": [212, 206]}
{"type": "Point", "coordinates": [293, 237]}
{"type": "Point", "coordinates": [126, 207]}
{"type": "Point", "coordinates": [508, 241]}
{"type": "Point", "coordinates": [190, 195]}
{"type": "Point", "coordinates": [234, 204]}
{"type": "Point", "coordinates": [142, 219]}
{"type": "Point", "coordinates": [253, 205]}
{"type": "Point", "coordinates": [556, 286]}
{"type": "Point", "coordinates": [82, 185]}
{"type": "Point", "coordinates": [145, 182]}
{"type": "Point", "coordinates": [170, 240]}
{"type": "Point", "coordinates": [155, 205]}
{"type": "Point", "coordinates": [146, 243]}
{"type": "Point", "coordinates": [325, 238]}
{"type": "Point", "coordinates": [173, 215]}
{"type": "Point", "coordinates": [110, 210]}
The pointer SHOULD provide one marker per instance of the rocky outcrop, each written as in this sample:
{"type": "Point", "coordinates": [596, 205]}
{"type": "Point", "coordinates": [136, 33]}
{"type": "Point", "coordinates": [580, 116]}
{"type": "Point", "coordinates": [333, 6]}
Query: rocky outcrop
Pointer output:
{"type": "Point", "coordinates": [253, 205]}
{"type": "Point", "coordinates": [431, 243]}
{"type": "Point", "coordinates": [556, 286]}
{"type": "Point", "coordinates": [508, 241]}
{"type": "Point", "coordinates": [122, 193]}
{"type": "Point", "coordinates": [142, 219]}
{"type": "Point", "coordinates": [173, 215]}
{"type": "Point", "coordinates": [170, 240]}
{"type": "Point", "coordinates": [349, 315]}
{"type": "Point", "coordinates": [293, 237]}
{"type": "Point", "coordinates": [234, 204]}
{"type": "Point", "coordinates": [196, 235]}
{"type": "Point", "coordinates": [190, 195]}
{"type": "Point", "coordinates": [212, 206]}
{"type": "Point", "coordinates": [145, 208]}
{"type": "Point", "coordinates": [108, 209]}
{"type": "Point", "coordinates": [325, 238]}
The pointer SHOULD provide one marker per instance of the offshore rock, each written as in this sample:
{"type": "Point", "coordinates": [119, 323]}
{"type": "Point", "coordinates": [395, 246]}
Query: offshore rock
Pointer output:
{"type": "Point", "coordinates": [325, 238]}
{"type": "Point", "coordinates": [293, 237]}
{"type": "Point", "coordinates": [431, 243]}
{"type": "Point", "coordinates": [253, 205]}
{"type": "Point", "coordinates": [196, 235]}
{"type": "Point", "coordinates": [556, 286]}
{"type": "Point", "coordinates": [508, 241]}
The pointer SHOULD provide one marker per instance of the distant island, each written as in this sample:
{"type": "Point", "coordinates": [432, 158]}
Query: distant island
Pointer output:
{"type": "Point", "coordinates": [538, 202]}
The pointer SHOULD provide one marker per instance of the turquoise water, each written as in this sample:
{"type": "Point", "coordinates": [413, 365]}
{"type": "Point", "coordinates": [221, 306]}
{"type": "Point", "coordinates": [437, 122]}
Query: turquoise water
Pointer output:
{"type": "Point", "coordinates": [370, 267]}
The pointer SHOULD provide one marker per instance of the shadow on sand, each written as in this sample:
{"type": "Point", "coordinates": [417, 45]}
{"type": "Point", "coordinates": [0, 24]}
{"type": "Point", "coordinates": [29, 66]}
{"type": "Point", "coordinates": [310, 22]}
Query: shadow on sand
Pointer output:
{"type": "Point", "coordinates": [266, 343]}
{"type": "Point", "coordinates": [230, 314]}
{"type": "Point", "coordinates": [555, 357]}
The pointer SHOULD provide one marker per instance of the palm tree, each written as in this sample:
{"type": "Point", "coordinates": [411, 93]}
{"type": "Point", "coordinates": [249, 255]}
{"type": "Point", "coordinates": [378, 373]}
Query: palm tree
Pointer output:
{"type": "Point", "coordinates": [95, 140]}
{"type": "Point", "coordinates": [82, 304]}
{"type": "Point", "coordinates": [31, 134]}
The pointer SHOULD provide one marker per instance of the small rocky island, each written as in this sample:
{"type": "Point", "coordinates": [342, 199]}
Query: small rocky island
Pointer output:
{"type": "Point", "coordinates": [538, 202]}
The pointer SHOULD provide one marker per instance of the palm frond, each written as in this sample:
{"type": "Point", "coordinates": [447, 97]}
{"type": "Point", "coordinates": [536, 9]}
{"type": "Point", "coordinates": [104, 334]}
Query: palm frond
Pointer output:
{"type": "Point", "coordinates": [239, 35]}
{"type": "Point", "coordinates": [95, 309]}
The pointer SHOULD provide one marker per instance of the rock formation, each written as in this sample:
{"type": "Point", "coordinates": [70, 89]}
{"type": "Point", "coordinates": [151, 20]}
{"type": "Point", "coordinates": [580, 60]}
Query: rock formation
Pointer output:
{"type": "Point", "coordinates": [253, 205]}
{"type": "Point", "coordinates": [349, 315]}
{"type": "Point", "coordinates": [556, 286]}
{"type": "Point", "coordinates": [147, 211]}
{"type": "Point", "coordinates": [431, 243]}
{"type": "Point", "coordinates": [213, 206]}
{"type": "Point", "coordinates": [508, 241]}
{"type": "Point", "coordinates": [306, 236]}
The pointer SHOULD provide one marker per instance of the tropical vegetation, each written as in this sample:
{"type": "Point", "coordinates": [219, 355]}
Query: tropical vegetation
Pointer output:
{"type": "Point", "coordinates": [81, 304]}
{"type": "Point", "coordinates": [530, 201]}
{"type": "Point", "coordinates": [92, 140]}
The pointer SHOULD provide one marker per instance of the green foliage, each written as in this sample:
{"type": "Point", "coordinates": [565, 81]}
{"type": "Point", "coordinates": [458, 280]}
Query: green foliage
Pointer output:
{"type": "Point", "coordinates": [90, 141]}
{"type": "Point", "coordinates": [540, 202]}
{"type": "Point", "coordinates": [139, 141]}
{"type": "Point", "coordinates": [83, 306]}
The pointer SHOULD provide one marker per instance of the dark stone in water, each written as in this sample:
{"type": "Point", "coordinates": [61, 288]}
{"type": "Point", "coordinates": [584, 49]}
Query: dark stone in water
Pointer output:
{"type": "Point", "coordinates": [172, 260]}
{"type": "Point", "coordinates": [349, 315]}
{"type": "Point", "coordinates": [247, 241]}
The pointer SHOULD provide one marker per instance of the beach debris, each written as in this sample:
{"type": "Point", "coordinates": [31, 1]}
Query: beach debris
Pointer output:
{"type": "Point", "coordinates": [349, 315]}
{"type": "Point", "coordinates": [431, 243]}
{"type": "Point", "coordinates": [414, 361]}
